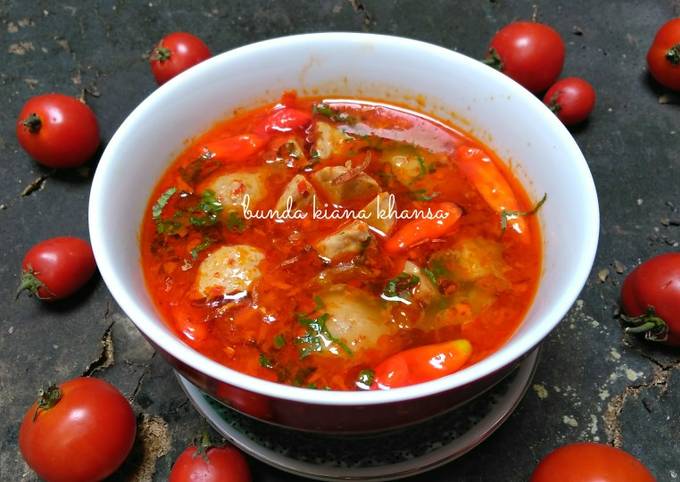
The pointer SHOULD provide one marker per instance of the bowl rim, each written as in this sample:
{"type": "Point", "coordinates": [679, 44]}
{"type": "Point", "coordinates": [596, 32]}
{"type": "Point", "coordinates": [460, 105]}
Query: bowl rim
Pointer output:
{"type": "Point", "coordinates": [172, 345]}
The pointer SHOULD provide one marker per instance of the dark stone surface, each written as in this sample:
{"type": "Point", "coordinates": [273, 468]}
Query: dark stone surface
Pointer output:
{"type": "Point", "coordinates": [593, 383]}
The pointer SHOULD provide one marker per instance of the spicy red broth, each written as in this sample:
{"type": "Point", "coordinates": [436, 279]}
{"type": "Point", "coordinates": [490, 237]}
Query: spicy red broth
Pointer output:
{"type": "Point", "coordinates": [431, 267]}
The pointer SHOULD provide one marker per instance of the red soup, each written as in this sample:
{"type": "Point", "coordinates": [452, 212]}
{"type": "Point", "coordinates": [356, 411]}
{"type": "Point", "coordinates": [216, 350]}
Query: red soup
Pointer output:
{"type": "Point", "coordinates": [340, 244]}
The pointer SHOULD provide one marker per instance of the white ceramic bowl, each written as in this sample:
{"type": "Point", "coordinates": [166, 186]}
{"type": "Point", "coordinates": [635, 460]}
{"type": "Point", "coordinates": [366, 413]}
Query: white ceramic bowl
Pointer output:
{"type": "Point", "coordinates": [432, 79]}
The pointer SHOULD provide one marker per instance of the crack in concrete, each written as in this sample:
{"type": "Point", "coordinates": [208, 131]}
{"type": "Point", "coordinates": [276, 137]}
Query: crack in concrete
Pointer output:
{"type": "Point", "coordinates": [37, 184]}
{"type": "Point", "coordinates": [140, 380]}
{"type": "Point", "coordinates": [360, 8]}
{"type": "Point", "coordinates": [106, 358]}
{"type": "Point", "coordinates": [77, 75]}
{"type": "Point", "coordinates": [616, 405]}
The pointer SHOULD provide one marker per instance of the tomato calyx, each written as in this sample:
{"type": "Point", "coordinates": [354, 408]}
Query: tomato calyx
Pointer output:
{"type": "Point", "coordinates": [493, 60]}
{"type": "Point", "coordinates": [33, 123]}
{"type": "Point", "coordinates": [31, 283]}
{"type": "Point", "coordinates": [161, 54]}
{"type": "Point", "coordinates": [554, 105]}
{"type": "Point", "coordinates": [203, 444]}
{"type": "Point", "coordinates": [673, 55]}
{"type": "Point", "coordinates": [47, 399]}
{"type": "Point", "coordinates": [653, 326]}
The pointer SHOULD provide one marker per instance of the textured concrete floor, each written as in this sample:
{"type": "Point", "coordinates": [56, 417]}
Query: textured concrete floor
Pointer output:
{"type": "Point", "coordinates": [593, 383]}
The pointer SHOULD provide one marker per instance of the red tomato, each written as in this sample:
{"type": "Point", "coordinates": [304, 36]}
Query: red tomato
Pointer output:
{"type": "Point", "coordinates": [663, 58]}
{"type": "Point", "coordinates": [175, 53]}
{"type": "Point", "coordinates": [651, 298]}
{"type": "Point", "coordinates": [56, 268]}
{"type": "Point", "coordinates": [81, 431]}
{"type": "Point", "coordinates": [571, 99]}
{"type": "Point", "coordinates": [590, 462]}
{"type": "Point", "coordinates": [210, 464]}
{"type": "Point", "coordinates": [530, 53]}
{"type": "Point", "coordinates": [58, 130]}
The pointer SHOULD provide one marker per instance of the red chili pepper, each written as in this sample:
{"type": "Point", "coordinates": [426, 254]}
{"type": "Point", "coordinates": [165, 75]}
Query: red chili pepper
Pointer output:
{"type": "Point", "coordinates": [285, 120]}
{"type": "Point", "coordinates": [236, 148]}
{"type": "Point", "coordinates": [480, 170]}
{"type": "Point", "coordinates": [193, 332]}
{"type": "Point", "coordinates": [421, 364]}
{"type": "Point", "coordinates": [420, 230]}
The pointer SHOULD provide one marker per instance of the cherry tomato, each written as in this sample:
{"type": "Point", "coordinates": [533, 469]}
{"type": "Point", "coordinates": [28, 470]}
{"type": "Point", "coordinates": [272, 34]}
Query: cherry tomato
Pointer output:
{"type": "Point", "coordinates": [56, 268]}
{"type": "Point", "coordinates": [571, 99]}
{"type": "Point", "coordinates": [651, 298]}
{"type": "Point", "coordinates": [203, 463]}
{"type": "Point", "coordinates": [57, 130]}
{"type": "Point", "coordinates": [81, 431]}
{"type": "Point", "coordinates": [590, 462]}
{"type": "Point", "coordinates": [175, 53]}
{"type": "Point", "coordinates": [663, 58]}
{"type": "Point", "coordinates": [530, 53]}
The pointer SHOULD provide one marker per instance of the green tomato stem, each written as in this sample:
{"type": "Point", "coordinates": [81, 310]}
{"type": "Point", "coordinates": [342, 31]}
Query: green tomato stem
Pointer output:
{"type": "Point", "coordinates": [33, 123]}
{"type": "Point", "coordinates": [47, 399]}
{"type": "Point", "coordinates": [653, 326]}
{"type": "Point", "coordinates": [673, 55]}
{"type": "Point", "coordinates": [203, 444]}
{"type": "Point", "coordinates": [162, 54]}
{"type": "Point", "coordinates": [29, 282]}
{"type": "Point", "coordinates": [492, 59]}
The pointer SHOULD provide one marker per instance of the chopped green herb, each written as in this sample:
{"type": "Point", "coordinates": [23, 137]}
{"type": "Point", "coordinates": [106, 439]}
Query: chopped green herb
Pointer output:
{"type": "Point", "coordinates": [279, 341]}
{"type": "Point", "coordinates": [235, 223]}
{"type": "Point", "coordinates": [290, 149]}
{"type": "Point", "coordinates": [161, 202]}
{"type": "Point", "coordinates": [436, 271]}
{"type": "Point", "coordinates": [365, 379]}
{"type": "Point", "coordinates": [199, 168]}
{"type": "Point", "coordinates": [314, 159]}
{"type": "Point", "coordinates": [167, 226]}
{"type": "Point", "coordinates": [430, 275]}
{"type": "Point", "coordinates": [333, 114]}
{"type": "Point", "coordinates": [374, 142]}
{"type": "Point", "coordinates": [265, 362]}
{"type": "Point", "coordinates": [283, 374]}
{"type": "Point", "coordinates": [422, 195]}
{"type": "Point", "coordinates": [387, 177]}
{"type": "Point", "coordinates": [201, 246]}
{"type": "Point", "coordinates": [318, 303]}
{"type": "Point", "coordinates": [312, 385]}
{"type": "Point", "coordinates": [401, 285]}
{"type": "Point", "coordinates": [421, 166]}
{"type": "Point", "coordinates": [323, 109]}
{"type": "Point", "coordinates": [424, 168]}
{"type": "Point", "coordinates": [209, 207]}
{"type": "Point", "coordinates": [302, 375]}
{"type": "Point", "coordinates": [317, 337]}
{"type": "Point", "coordinates": [170, 226]}
{"type": "Point", "coordinates": [509, 215]}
